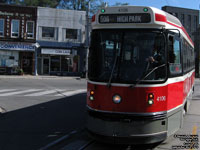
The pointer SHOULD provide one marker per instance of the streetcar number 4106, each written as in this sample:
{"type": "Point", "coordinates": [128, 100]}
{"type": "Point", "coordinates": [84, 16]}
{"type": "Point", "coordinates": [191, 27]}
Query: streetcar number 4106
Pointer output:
{"type": "Point", "coordinates": [161, 98]}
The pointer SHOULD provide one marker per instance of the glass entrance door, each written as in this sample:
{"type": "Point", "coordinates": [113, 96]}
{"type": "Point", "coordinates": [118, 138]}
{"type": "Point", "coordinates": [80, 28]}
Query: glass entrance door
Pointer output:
{"type": "Point", "coordinates": [46, 65]}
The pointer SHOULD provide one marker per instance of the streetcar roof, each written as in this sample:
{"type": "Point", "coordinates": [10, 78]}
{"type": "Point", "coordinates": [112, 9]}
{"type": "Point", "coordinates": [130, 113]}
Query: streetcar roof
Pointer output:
{"type": "Point", "coordinates": [137, 17]}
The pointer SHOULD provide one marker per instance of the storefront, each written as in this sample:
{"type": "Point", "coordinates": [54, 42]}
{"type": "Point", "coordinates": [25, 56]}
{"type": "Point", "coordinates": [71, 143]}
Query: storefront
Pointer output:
{"type": "Point", "coordinates": [16, 58]}
{"type": "Point", "coordinates": [58, 61]}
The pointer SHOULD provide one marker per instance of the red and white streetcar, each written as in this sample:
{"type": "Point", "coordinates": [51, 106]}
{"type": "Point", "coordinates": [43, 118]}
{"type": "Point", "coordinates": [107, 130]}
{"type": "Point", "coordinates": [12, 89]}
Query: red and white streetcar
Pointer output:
{"type": "Point", "coordinates": [140, 75]}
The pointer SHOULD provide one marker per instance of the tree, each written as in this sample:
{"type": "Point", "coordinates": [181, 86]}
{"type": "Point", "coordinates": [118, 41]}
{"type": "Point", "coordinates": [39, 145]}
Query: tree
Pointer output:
{"type": "Point", "coordinates": [2, 1]}
{"type": "Point", "coordinates": [42, 3]}
{"type": "Point", "coordinates": [120, 4]}
{"type": "Point", "coordinates": [64, 4]}
{"type": "Point", "coordinates": [82, 5]}
{"type": "Point", "coordinates": [6, 1]}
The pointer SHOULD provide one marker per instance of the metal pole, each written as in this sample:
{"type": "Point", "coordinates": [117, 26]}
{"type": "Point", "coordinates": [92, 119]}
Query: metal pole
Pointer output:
{"type": "Point", "coordinates": [87, 37]}
{"type": "Point", "coordinates": [87, 25]}
{"type": "Point", "coordinates": [68, 64]}
{"type": "Point", "coordinates": [36, 49]}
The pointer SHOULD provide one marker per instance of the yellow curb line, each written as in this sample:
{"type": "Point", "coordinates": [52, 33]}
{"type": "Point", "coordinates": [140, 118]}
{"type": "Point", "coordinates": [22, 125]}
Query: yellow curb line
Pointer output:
{"type": "Point", "coordinates": [194, 132]}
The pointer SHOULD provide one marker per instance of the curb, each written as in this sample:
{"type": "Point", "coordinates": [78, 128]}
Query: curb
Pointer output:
{"type": "Point", "coordinates": [37, 77]}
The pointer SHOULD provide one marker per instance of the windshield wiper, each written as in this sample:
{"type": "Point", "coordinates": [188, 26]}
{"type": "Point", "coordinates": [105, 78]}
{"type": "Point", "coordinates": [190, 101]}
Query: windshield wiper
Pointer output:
{"type": "Point", "coordinates": [118, 55]}
{"type": "Point", "coordinates": [112, 72]}
{"type": "Point", "coordinates": [147, 74]}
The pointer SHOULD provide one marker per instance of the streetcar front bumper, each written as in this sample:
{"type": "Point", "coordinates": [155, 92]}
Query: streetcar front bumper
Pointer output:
{"type": "Point", "coordinates": [126, 130]}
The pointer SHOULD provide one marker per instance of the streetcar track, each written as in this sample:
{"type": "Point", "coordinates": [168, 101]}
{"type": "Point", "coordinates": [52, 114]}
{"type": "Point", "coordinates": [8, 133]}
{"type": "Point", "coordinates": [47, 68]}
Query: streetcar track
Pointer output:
{"type": "Point", "coordinates": [92, 145]}
{"type": "Point", "coordinates": [78, 140]}
{"type": "Point", "coordinates": [86, 145]}
{"type": "Point", "coordinates": [54, 143]}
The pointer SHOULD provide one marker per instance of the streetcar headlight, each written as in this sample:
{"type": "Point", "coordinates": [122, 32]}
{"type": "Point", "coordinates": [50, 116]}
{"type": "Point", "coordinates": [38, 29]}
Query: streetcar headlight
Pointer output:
{"type": "Point", "coordinates": [117, 99]}
{"type": "Point", "coordinates": [150, 98]}
{"type": "Point", "coordinates": [150, 102]}
{"type": "Point", "coordinates": [91, 97]}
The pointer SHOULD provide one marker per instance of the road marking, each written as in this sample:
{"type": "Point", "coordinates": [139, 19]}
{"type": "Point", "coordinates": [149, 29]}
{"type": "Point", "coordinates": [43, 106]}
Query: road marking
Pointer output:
{"type": "Point", "coordinates": [7, 90]}
{"type": "Point", "coordinates": [42, 93]}
{"type": "Point", "coordinates": [194, 132]}
{"type": "Point", "coordinates": [71, 93]}
{"type": "Point", "coordinates": [2, 110]}
{"type": "Point", "coordinates": [19, 92]}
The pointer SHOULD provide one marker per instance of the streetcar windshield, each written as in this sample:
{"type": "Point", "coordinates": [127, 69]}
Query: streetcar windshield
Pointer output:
{"type": "Point", "coordinates": [126, 56]}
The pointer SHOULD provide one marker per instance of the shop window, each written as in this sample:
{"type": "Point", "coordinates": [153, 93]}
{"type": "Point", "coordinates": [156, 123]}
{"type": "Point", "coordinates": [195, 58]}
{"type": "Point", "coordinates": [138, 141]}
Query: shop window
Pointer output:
{"type": "Point", "coordinates": [71, 33]}
{"type": "Point", "coordinates": [75, 63]}
{"type": "Point", "coordinates": [9, 58]}
{"type": "Point", "coordinates": [55, 63]}
{"type": "Point", "coordinates": [30, 29]}
{"type": "Point", "coordinates": [1, 27]}
{"type": "Point", "coordinates": [49, 33]}
{"type": "Point", "coordinates": [66, 63]}
{"type": "Point", "coordinates": [15, 28]}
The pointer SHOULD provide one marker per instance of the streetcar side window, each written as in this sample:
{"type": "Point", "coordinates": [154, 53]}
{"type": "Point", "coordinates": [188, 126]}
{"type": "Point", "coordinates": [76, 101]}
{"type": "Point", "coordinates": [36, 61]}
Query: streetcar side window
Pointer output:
{"type": "Point", "coordinates": [174, 48]}
{"type": "Point", "coordinates": [188, 57]}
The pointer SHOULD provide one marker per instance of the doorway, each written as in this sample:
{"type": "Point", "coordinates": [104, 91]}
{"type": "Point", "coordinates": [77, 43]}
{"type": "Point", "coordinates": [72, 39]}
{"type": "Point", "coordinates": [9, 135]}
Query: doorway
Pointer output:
{"type": "Point", "coordinates": [26, 62]}
{"type": "Point", "coordinates": [46, 65]}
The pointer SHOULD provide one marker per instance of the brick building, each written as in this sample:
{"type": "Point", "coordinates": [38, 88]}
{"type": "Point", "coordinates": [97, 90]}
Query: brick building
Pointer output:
{"type": "Point", "coordinates": [55, 38]}
{"type": "Point", "coordinates": [17, 36]}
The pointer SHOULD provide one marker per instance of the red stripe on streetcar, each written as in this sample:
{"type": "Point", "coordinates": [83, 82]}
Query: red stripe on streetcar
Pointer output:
{"type": "Point", "coordinates": [162, 18]}
{"type": "Point", "coordinates": [183, 29]}
{"type": "Point", "coordinates": [93, 18]}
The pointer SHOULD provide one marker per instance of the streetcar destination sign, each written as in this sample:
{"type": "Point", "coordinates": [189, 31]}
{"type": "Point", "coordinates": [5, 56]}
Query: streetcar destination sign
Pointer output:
{"type": "Point", "coordinates": [125, 18]}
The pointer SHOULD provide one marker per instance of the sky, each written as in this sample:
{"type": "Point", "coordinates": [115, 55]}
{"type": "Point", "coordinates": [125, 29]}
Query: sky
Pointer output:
{"type": "Point", "coordinates": [191, 4]}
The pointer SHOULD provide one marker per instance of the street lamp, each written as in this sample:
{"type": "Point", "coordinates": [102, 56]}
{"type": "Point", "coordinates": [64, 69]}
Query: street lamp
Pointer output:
{"type": "Point", "coordinates": [37, 45]}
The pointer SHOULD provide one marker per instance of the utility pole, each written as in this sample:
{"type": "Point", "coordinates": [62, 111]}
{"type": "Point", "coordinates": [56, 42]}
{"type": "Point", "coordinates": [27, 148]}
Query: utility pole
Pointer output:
{"type": "Point", "coordinates": [87, 37]}
{"type": "Point", "coordinates": [37, 45]}
{"type": "Point", "coordinates": [87, 24]}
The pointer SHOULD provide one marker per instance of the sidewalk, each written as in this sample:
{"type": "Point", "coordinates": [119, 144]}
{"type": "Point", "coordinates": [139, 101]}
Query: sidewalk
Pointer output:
{"type": "Point", "coordinates": [37, 77]}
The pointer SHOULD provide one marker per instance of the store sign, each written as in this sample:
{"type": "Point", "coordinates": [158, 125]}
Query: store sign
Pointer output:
{"type": "Point", "coordinates": [56, 51]}
{"type": "Point", "coordinates": [18, 47]}
{"type": "Point", "coordinates": [4, 13]}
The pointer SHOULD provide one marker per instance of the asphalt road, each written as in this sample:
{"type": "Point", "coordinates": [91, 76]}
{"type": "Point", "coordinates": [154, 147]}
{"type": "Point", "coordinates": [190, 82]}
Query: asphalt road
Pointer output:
{"type": "Point", "coordinates": [31, 122]}
{"type": "Point", "coordinates": [34, 122]}
{"type": "Point", "coordinates": [21, 92]}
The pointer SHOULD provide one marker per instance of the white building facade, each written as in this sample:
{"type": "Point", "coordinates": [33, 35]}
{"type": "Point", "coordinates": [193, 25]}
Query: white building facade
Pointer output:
{"type": "Point", "coordinates": [61, 38]}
